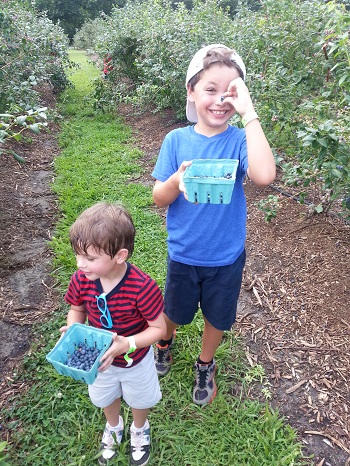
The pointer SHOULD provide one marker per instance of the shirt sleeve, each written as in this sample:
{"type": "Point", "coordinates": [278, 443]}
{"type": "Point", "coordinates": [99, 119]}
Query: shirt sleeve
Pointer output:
{"type": "Point", "coordinates": [150, 300]}
{"type": "Point", "coordinates": [73, 295]}
{"type": "Point", "coordinates": [166, 164]}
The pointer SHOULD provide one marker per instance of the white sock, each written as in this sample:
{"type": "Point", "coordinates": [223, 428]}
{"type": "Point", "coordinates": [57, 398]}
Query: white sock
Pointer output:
{"type": "Point", "coordinates": [140, 429]}
{"type": "Point", "coordinates": [120, 426]}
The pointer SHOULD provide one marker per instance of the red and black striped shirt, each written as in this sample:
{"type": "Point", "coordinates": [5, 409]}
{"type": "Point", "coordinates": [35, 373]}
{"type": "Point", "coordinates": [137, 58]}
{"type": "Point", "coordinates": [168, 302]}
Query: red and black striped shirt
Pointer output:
{"type": "Point", "coordinates": [135, 300]}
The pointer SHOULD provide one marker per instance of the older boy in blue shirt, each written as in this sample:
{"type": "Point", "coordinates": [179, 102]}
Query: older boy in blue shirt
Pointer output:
{"type": "Point", "coordinates": [206, 242]}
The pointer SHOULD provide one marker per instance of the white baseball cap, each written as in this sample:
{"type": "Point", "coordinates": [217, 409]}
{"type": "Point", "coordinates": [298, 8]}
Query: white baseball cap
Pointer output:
{"type": "Point", "coordinates": [196, 65]}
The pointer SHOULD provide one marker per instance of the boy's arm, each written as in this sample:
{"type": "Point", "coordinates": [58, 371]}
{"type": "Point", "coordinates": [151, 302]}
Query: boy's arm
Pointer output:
{"type": "Point", "coordinates": [261, 162]}
{"type": "Point", "coordinates": [165, 192]}
{"type": "Point", "coordinates": [156, 331]}
{"type": "Point", "coordinates": [75, 314]}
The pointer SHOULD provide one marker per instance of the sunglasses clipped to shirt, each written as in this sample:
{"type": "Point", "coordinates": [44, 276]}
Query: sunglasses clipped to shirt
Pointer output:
{"type": "Point", "coordinates": [106, 321]}
{"type": "Point", "coordinates": [105, 318]}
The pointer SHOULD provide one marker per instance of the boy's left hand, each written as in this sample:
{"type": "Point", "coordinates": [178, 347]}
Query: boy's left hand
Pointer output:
{"type": "Point", "coordinates": [238, 95]}
{"type": "Point", "coordinates": [119, 346]}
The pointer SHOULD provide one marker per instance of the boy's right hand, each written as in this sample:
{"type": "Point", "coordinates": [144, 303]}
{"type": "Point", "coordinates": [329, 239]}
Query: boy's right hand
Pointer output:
{"type": "Point", "coordinates": [165, 192]}
{"type": "Point", "coordinates": [181, 172]}
{"type": "Point", "coordinates": [63, 330]}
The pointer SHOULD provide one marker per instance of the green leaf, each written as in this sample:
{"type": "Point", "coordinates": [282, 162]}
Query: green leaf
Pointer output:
{"type": "Point", "coordinates": [17, 137]}
{"type": "Point", "coordinates": [17, 157]}
{"type": "Point", "coordinates": [337, 173]}
{"type": "Point", "coordinates": [344, 78]}
{"type": "Point", "coordinates": [319, 208]}
{"type": "Point", "coordinates": [322, 142]}
{"type": "Point", "coordinates": [35, 128]}
{"type": "Point", "coordinates": [21, 119]}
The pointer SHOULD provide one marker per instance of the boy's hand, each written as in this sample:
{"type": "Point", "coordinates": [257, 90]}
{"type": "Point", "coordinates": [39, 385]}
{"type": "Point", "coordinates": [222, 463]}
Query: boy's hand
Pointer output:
{"type": "Point", "coordinates": [181, 172]}
{"type": "Point", "coordinates": [63, 330]}
{"type": "Point", "coordinates": [119, 346]}
{"type": "Point", "coordinates": [238, 95]}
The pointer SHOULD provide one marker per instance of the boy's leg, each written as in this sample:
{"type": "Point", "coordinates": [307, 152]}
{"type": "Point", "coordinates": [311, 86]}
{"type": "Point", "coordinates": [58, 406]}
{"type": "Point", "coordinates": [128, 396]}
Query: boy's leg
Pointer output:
{"type": "Point", "coordinates": [170, 326]}
{"type": "Point", "coordinates": [112, 412]}
{"type": "Point", "coordinates": [106, 393]}
{"type": "Point", "coordinates": [140, 439]}
{"type": "Point", "coordinates": [162, 355]}
{"type": "Point", "coordinates": [181, 298]}
{"type": "Point", "coordinates": [210, 341]}
{"type": "Point", "coordinates": [205, 389]}
{"type": "Point", "coordinates": [141, 391]}
{"type": "Point", "coordinates": [113, 433]}
{"type": "Point", "coordinates": [220, 292]}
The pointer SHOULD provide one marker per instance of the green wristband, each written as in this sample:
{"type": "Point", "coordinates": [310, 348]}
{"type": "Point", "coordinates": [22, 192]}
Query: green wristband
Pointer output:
{"type": "Point", "coordinates": [132, 348]}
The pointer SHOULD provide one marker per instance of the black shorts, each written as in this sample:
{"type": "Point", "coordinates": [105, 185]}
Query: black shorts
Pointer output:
{"type": "Point", "coordinates": [214, 289]}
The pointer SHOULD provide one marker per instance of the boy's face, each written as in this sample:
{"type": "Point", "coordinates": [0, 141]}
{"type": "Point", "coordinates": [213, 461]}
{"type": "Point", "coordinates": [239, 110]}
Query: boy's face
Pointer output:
{"type": "Point", "coordinates": [212, 113]}
{"type": "Point", "coordinates": [96, 264]}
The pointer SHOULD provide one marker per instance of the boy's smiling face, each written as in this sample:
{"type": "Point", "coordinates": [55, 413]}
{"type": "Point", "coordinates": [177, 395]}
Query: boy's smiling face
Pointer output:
{"type": "Point", "coordinates": [98, 264]}
{"type": "Point", "coordinates": [213, 114]}
{"type": "Point", "coordinates": [95, 264]}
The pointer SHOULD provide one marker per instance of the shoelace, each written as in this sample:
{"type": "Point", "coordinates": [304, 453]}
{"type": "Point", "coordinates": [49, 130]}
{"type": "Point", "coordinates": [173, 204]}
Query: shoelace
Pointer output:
{"type": "Point", "coordinates": [108, 438]}
{"type": "Point", "coordinates": [137, 440]}
{"type": "Point", "coordinates": [161, 353]}
{"type": "Point", "coordinates": [203, 377]}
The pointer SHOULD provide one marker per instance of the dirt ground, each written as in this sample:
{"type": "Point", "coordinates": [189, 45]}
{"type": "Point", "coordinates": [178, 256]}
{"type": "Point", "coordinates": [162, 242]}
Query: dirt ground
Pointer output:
{"type": "Point", "coordinates": [294, 310]}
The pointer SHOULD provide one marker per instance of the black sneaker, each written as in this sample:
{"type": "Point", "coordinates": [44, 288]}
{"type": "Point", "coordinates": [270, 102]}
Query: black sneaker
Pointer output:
{"type": "Point", "coordinates": [162, 357]}
{"type": "Point", "coordinates": [109, 445]}
{"type": "Point", "coordinates": [204, 390]}
{"type": "Point", "coordinates": [140, 445]}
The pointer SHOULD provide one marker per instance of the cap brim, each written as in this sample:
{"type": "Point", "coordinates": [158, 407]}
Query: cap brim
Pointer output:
{"type": "Point", "coordinates": [191, 112]}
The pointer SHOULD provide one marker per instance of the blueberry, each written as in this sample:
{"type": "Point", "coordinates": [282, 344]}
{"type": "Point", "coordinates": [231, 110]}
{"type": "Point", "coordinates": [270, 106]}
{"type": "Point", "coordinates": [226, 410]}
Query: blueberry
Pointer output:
{"type": "Point", "coordinates": [83, 357]}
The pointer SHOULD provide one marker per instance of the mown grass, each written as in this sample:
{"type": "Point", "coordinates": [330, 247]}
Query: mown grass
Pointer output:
{"type": "Point", "coordinates": [54, 423]}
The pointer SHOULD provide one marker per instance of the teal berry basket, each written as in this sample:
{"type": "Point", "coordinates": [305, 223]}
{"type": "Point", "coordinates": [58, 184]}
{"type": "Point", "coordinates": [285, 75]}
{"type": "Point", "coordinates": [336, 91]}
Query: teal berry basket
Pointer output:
{"type": "Point", "coordinates": [210, 181]}
{"type": "Point", "coordinates": [65, 347]}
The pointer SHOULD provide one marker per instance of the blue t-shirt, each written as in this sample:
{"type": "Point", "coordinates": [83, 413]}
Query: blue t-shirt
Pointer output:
{"type": "Point", "coordinates": [208, 235]}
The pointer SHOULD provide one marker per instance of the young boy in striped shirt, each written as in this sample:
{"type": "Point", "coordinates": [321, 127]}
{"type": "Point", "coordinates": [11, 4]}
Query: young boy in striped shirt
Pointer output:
{"type": "Point", "coordinates": [110, 292]}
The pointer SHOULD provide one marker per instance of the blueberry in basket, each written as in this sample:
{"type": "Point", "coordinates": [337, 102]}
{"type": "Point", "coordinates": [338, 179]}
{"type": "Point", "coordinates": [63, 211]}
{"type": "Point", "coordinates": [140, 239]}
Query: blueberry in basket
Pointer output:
{"type": "Point", "coordinates": [83, 357]}
{"type": "Point", "coordinates": [78, 352]}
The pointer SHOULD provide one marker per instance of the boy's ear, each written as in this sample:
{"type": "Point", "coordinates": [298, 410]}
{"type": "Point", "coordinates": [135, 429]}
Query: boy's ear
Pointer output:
{"type": "Point", "coordinates": [190, 93]}
{"type": "Point", "coordinates": [121, 255]}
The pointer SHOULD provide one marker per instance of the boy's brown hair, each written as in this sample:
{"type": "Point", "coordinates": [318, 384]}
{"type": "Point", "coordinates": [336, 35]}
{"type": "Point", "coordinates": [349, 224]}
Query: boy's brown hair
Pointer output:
{"type": "Point", "coordinates": [106, 227]}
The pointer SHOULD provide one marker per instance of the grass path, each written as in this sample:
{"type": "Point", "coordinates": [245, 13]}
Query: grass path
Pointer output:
{"type": "Point", "coordinates": [54, 423]}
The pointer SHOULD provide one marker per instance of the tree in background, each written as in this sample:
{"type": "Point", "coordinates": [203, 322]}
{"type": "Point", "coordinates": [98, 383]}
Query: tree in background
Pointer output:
{"type": "Point", "coordinates": [72, 14]}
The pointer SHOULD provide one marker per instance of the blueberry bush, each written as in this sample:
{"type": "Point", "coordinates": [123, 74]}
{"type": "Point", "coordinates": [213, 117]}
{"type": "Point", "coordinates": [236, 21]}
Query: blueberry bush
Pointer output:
{"type": "Point", "coordinates": [33, 51]}
{"type": "Point", "coordinates": [297, 57]}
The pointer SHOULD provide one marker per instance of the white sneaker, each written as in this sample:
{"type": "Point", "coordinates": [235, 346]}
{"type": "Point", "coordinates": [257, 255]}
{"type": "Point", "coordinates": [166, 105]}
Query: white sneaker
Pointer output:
{"type": "Point", "coordinates": [110, 441]}
{"type": "Point", "coordinates": [140, 445]}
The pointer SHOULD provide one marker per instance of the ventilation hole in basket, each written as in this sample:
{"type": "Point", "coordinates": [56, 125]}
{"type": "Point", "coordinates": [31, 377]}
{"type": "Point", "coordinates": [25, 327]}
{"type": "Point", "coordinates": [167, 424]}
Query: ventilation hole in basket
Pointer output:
{"type": "Point", "coordinates": [195, 197]}
{"type": "Point", "coordinates": [221, 199]}
{"type": "Point", "coordinates": [208, 198]}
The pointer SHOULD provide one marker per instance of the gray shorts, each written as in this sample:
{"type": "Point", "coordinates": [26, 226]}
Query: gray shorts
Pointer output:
{"type": "Point", "coordinates": [138, 386]}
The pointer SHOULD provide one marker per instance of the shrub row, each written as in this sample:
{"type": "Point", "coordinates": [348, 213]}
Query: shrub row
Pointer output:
{"type": "Point", "coordinates": [297, 57]}
{"type": "Point", "coordinates": [33, 51]}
